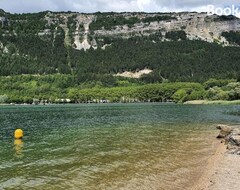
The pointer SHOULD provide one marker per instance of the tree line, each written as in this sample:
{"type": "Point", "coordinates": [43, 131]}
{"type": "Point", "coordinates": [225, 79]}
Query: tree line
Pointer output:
{"type": "Point", "coordinates": [59, 88]}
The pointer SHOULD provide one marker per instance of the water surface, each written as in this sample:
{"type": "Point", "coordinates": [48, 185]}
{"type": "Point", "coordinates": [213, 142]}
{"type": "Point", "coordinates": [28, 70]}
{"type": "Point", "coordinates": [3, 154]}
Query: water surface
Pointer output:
{"type": "Point", "coordinates": [112, 146]}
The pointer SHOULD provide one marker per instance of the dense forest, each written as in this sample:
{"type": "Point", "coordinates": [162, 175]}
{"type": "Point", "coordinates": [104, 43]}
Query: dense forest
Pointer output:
{"type": "Point", "coordinates": [175, 60]}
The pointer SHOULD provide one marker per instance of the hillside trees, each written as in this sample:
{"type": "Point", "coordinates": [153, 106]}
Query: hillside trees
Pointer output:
{"type": "Point", "coordinates": [232, 36]}
{"type": "Point", "coordinates": [24, 51]}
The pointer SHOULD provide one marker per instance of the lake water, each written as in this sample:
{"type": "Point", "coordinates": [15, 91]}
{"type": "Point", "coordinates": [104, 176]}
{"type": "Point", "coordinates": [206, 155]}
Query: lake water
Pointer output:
{"type": "Point", "coordinates": [110, 146]}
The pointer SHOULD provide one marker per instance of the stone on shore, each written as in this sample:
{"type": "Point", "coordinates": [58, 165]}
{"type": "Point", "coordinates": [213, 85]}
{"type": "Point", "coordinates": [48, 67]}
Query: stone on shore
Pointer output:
{"type": "Point", "coordinates": [232, 138]}
{"type": "Point", "coordinates": [225, 130]}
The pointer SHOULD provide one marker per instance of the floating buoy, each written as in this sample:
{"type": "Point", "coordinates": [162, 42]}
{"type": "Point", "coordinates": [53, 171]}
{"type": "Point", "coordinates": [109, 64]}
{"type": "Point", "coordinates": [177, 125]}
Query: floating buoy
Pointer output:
{"type": "Point", "coordinates": [18, 134]}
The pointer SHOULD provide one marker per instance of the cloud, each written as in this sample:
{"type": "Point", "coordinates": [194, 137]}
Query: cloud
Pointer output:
{"type": "Point", "coordinates": [20, 6]}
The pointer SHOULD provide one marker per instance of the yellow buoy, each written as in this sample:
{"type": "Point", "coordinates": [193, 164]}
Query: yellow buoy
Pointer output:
{"type": "Point", "coordinates": [18, 134]}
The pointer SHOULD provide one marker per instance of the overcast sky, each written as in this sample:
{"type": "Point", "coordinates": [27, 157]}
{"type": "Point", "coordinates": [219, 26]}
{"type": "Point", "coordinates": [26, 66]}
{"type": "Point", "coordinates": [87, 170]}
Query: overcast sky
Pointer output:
{"type": "Point", "coordinates": [89, 6]}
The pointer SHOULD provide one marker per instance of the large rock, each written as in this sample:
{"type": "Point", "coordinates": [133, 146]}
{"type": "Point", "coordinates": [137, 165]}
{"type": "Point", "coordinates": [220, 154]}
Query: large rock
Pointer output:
{"type": "Point", "coordinates": [231, 137]}
{"type": "Point", "coordinates": [235, 140]}
{"type": "Point", "coordinates": [225, 130]}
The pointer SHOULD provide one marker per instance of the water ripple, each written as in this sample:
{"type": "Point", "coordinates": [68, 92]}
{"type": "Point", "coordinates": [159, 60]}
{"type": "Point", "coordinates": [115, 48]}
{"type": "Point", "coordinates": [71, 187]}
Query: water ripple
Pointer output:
{"type": "Point", "coordinates": [116, 146]}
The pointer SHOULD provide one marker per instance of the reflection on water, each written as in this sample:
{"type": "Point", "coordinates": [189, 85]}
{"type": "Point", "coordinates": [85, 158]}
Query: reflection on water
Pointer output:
{"type": "Point", "coordinates": [18, 146]}
{"type": "Point", "coordinates": [107, 147]}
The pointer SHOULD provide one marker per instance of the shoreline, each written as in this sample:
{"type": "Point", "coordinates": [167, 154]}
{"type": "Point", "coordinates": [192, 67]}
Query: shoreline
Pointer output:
{"type": "Point", "coordinates": [193, 102]}
{"type": "Point", "coordinates": [205, 181]}
{"type": "Point", "coordinates": [208, 102]}
{"type": "Point", "coordinates": [222, 171]}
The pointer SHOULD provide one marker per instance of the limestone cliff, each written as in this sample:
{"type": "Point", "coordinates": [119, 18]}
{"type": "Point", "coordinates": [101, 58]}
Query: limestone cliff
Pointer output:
{"type": "Point", "coordinates": [83, 31]}
{"type": "Point", "coordinates": [196, 25]}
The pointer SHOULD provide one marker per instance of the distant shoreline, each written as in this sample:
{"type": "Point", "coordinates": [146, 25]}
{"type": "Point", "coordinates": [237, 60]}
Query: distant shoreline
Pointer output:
{"type": "Point", "coordinates": [85, 103]}
{"type": "Point", "coordinates": [208, 102]}
{"type": "Point", "coordinates": [193, 102]}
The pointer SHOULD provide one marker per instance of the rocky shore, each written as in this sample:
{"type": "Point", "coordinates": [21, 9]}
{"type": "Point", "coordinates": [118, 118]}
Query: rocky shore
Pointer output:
{"type": "Point", "coordinates": [231, 137]}
{"type": "Point", "coordinates": [223, 168]}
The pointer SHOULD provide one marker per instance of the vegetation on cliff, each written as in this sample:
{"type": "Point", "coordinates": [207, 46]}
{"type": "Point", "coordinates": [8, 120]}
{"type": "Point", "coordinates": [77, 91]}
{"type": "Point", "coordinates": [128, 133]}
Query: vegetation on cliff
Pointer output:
{"type": "Point", "coordinates": [232, 37]}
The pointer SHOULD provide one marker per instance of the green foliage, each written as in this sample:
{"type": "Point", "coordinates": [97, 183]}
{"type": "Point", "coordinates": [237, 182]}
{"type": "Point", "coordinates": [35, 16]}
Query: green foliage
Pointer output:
{"type": "Point", "coordinates": [197, 95]}
{"type": "Point", "coordinates": [234, 90]}
{"type": "Point", "coordinates": [72, 25]}
{"type": "Point", "coordinates": [173, 61]}
{"type": "Point", "coordinates": [180, 95]}
{"type": "Point", "coordinates": [232, 36]}
{"type": "Point", "coordinates": [3, 99]}
{"type": "Point", "coordinates": [238, 76]}
{"type": "Point", "coordinates": [217, 93]}
{"type": "Point", "coordinates": [26, 23]}
{"type": "Point", "coordinates": [53, 88]}
{"type": "Point", "coordinates": [176, 35]}
{"type": "Point", "coordinates": [214, 82]}
{"type": "Point", "coordinates": [108, 21]}
{"type": "Point", "coordinates": [35, 56]}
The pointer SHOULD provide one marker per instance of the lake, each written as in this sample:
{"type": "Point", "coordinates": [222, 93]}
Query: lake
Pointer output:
{"type": "Point", "coordinates": [108, 146]}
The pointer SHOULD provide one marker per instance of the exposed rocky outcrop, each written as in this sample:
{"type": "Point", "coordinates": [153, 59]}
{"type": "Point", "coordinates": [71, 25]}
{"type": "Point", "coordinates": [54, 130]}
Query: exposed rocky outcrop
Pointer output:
{"type": "Point", "coordinates": [81, 39]}
{"type": "Point", "coordinates": [231, 137]}
{"type": "Point", "coordinates": [196, 25]}
{"type": "Point", "coordinates": [136, 74]}
{"type": "Point", "coordinates": [80, 34]}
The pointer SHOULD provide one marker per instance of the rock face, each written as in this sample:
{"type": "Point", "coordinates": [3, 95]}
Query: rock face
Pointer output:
{"type": "Point", "coordinates": [231, 137]}
{"type": "Point", "coordinates": [196, 25]}
{"type": "Point", "coordinates": [84, 21]}
{"type": "Point", "coordinates": [85, 31]}
{"type": "Point", "coordinates": [136, 75]}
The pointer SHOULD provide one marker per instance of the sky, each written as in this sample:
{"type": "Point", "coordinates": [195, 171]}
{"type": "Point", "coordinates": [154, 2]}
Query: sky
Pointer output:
{"type": "Point", "coordinates": [89, 6]}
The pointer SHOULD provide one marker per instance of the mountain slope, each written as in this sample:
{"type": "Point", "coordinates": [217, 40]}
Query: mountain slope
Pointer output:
{"type": "Point", "coordinates": [95, 47]}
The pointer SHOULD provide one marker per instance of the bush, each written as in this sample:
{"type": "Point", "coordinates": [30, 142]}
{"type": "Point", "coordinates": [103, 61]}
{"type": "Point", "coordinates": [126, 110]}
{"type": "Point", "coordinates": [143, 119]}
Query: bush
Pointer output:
{"type": "Point", "coordinates": [217, 93]}
{"type": "Point", "coordinates": [3, 99]}
{"type": "Point", "coordinates": [197, 95]}
{"type": "Point", "coordinates": [180, 95]}
{"type": "Point", "coordinates": [214, 82]}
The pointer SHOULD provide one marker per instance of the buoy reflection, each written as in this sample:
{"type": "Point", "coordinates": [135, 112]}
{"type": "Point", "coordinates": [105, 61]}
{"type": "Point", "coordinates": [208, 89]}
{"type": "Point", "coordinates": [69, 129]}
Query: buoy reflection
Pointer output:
{"type": "Point", "coordinates": [18, 146]}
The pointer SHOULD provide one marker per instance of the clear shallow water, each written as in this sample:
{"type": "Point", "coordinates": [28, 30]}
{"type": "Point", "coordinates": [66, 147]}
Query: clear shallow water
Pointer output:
{"type": "Point", "coordinates": [114, 146]}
